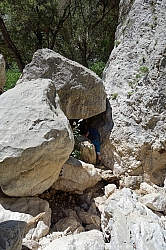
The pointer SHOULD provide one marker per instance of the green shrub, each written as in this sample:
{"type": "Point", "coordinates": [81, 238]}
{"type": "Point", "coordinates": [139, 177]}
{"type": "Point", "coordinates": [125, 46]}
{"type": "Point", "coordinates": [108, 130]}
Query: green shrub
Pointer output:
{"type": "Point", "coordinates": [97, 67]}
{"type": "Point", "coordinates": [129, 94]}
{"type": "Point", "coordinates": [76, 152]}
{"type": "Point", "coordinates": [114, 96]}
{"type": "Point", "coordinates": [137, 76]}
{"type": "Point", "coordinates": [130, 84]}
{"type": "Point", "coordinates": [12, 76]}
{"type": "Point", "coordinates": [144, 69]}
{"type": "Point", "coordinates": [117, 43]}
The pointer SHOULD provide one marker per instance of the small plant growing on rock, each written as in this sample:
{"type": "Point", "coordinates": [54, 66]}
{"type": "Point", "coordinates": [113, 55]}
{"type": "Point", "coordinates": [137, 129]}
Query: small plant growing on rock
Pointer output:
{"type": "Point", "coordinates": [114, 96]}
{"type": "Point", "coordinates": [131, 84]}
{"type": "Point", "coordinates": [98, 67]}
{"type": "Point", "coordinates": [137, 76]}
{"type": "Point", "coordinates": [129, 94]}
{"type": "Point", "coordinates": [144, 69]}
{"type": "Point", "coordinates": [117, 43]}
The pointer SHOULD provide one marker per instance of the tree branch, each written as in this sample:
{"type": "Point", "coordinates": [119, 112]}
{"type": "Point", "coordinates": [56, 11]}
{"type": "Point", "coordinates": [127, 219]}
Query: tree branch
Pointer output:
{"type": "Point", "coordinates": [9, 43]}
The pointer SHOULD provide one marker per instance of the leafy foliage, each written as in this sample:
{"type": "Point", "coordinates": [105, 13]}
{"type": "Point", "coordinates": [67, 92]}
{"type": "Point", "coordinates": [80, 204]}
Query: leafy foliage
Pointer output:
{"type": "Point", "coordinates": [82, 30]}
{"type": "Point", "coordinates": [76, 152]}
{"type": "Point", "coordinates": [12, 76]}
{"type": "Point", "coordinates": [98, 68]}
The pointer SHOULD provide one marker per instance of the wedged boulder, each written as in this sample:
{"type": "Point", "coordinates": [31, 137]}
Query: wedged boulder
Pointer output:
{"type": "Point", "coordinates": [81, 91]}
{"type": "Point", "coordinates": [76, 176]}
{"type": "Point", "coordinates": [2, 73]}
{"type": "Point", "coordinates": [35, 138]}
{"type": "Point", "coordinates": [87, 150]}
{"type": "Point", "coordinates": [84, 241]}
{"type": "Point", "coordinates": [135, 82]}
{"type": "Point", "coordinates": [128, 224]}
{"type": "Point", "coordinates": [33, 211]}
{"type": "Point", "coordinates": [11, 234]}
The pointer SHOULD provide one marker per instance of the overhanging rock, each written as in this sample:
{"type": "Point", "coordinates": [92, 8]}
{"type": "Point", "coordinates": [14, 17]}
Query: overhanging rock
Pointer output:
{"type": "Point", "coordinates": [81, 91]}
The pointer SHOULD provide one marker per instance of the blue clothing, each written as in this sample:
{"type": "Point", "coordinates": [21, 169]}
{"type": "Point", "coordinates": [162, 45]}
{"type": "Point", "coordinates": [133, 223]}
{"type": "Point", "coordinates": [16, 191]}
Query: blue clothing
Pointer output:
{"type": "Point", "coordinates": [93, 133]}
{"type": "Point", "coordinates": [96, 143]}
{"type": "Point", "coordinates": [94, 136]}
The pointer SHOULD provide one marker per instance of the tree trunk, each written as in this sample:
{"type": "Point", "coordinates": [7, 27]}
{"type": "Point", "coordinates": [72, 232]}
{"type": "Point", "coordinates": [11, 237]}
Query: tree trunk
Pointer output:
{"type": "Point", "coordinates": [11, 45]}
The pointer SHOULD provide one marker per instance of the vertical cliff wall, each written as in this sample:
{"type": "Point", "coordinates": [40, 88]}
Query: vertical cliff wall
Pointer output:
{"type": "Point", "coordinates": [135, 82]}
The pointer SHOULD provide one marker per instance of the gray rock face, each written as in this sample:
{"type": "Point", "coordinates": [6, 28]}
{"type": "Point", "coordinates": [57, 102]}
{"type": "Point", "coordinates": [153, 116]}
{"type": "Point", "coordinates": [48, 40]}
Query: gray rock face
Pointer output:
{"type": "Point", "coordinates": [33, 211]}
{"type": "Point", "coordinates": [135, 81]}
{"type": "Point", "coordinates": [2, 72]}
{"type": "Point", "coordinates": [35, 138]}
{"type": "Point", "coordinates": [84, 241]}
{"type": "Point", "coordinates": [128, 224]}
{"type": "Point", "coordinates": [81, 91]}
{"type": "Point", "coordinates": [11, 234]}
{"type": "Point", "coordinates": [76, 176]}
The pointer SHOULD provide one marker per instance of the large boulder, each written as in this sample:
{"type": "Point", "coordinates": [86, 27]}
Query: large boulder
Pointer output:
{"type": "Point", "coordinates": [2, 73]}
{"type": "Point", "coordinates": [128, 224]}
{"type": "Point", "coordinates": [76, 176]}
{"type": "Point", "coordinates": [36, 138]}
{"type": "Point", "coordinates": [135, 82]}
{"type": "Point", "coordinates": [81, 91]}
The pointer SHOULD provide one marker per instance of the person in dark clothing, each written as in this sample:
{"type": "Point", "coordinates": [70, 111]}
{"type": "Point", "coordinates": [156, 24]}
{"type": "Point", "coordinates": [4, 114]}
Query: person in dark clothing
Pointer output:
{"type": "Point", "coordinates": [94, 136]}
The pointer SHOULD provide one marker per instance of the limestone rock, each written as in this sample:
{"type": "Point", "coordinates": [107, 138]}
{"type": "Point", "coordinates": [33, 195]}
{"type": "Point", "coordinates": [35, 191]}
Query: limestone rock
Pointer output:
{"type": "Point", "coordinates": [26, 209]}
{"type": "Point", "coordinates": [132, 182]}
{"type": "Point", "coordinates": [2, 73]}
{"type": "Point", "coordinates": [100, 201]}
{"type": "Point", "coordinates": [135, 82]}
{"type": "Point", "coordinates": [155, 201]}
{"type": "Point", "coordinates": [35, 138]}
{"type": "Point", "coordinates": [76, 176]}
{"type": "Point", "coordinates": [128, 224]}
{"type": "Point", "coordinates": [11, 234]}
{"type": "Point", "coordinates": [92, 240]}
{"type": "Point", "coordinates": [87, 150]}
{"type": "Point", "coordinates": [109, 189]}
{"type": "Point", "coordinates": [107, 175]}
{"type": "Point", "coordinates": [81, 91]}
{"type": "Point", "coordinates": [145, 188]}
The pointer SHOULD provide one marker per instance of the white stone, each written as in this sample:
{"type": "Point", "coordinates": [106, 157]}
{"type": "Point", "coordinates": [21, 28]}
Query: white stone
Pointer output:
{"type": "Point", "coordinates": [145, 188]}
{"type": "Point", "coordinates": [109, 189]}
{"type": "Point", "coordinates": [128, 224]}
{"type": "Point", "coordinates": [155, 201]}
{"type": "Point", "coordinates": [136, 66]}
{"type": "Point", "coordinates": [92, 240]}
{"type": "Point", "coordinates": [35, 138]}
